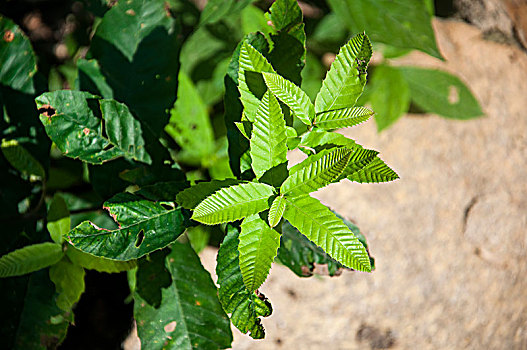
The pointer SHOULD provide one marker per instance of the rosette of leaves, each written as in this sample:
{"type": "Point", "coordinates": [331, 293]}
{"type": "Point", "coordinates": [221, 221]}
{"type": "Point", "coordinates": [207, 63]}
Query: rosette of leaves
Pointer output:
{"type": "Point", "coordinates": [258, 207]}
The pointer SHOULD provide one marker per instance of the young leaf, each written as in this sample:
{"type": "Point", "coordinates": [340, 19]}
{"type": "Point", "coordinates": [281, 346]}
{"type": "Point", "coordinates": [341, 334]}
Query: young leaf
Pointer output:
{"type": "Point", "coordinates": [245, 306]}
{"type": "Point", "coordinates": [316, 171]}
{"type": "Point", "coordinates": [59, 220]}
{"type": "Point", "coordinates": [96, 263]}
{"type": "Point", "coordinates": [390, 95]}
{"type": "Point", "coordinates": [342, 118]}
{"type": "Point", "coordinates": [321, 139]}
{"type": "Point", "coordinates": [192, 196]}
{"type": "Point", "coordinates": [268, 138]}
{"type": "Point", "coordinates": [402, 23]}
{"type": "Point", "coordinates": [346, 78]}
{"type": "Point", "coordinates": [21, 159]}
{"type": "Point", "coordinates": [144, 226]}
{"type": "Point", "coordinates": [69, 283]}
{"type": "Point", "coordinates": [440, 92]}
{"type": "Point", "coordinates": [30, 258]}
{"type": "Point", "coordinates": [258, 247]}
{"type": "Point", "coordinates": [250, 82]}
{"type": "Point", "coordinates": [320, 225]}
{"type": "Point", "coordinates": [189, 316]}
{"type": "Point", "coordinates": [276, 211]}
{"type": "Point", "coordinates": [360, 158]}
{"type": "Point", "coordinates": [291, 95]}
{"type": "Point", "coordinates": [17, 59]}
{"type": "Point", "coordinates": [233, 203]}
{"type": "Point", "coordinates": [300, 255]}
{"type": "Point", "coordinates": [375, 171]}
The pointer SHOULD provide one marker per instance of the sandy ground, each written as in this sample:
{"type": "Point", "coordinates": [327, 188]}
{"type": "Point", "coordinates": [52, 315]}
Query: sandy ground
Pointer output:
{"type": "Point", "coordinates": [449, 237]}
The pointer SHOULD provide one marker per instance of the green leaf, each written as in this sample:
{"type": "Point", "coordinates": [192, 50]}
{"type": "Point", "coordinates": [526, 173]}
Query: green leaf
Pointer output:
{"type": "Point", "coordinates": [21, 159]}
{"type": "Point", "coordinates": [72, 125]}
{"type": "Point", "coordinates": [17, 59]}
{"type": "Point", "coordinates": [38, 322]}
{"type": "Point", "coordinates": [400, 23]}
{"type": "Point", "coordinates": [59, 220]}
{"type": "Point", "coordinates": [190, 315]}
{"type": "Point", "coordinates": [238, 144]}
{"type": "Point", "coordinates": [189, 123]}
{"type": "Point", "coordinates": [151, 277]}
{"type": "Point", "coordinates": [376, 171]}
{"type": "Point", "coordinates": [124, 131]}
{"type": "Point", "coordinates": [390, 95]}
{"type": "Point", "coordinates": [192, 196]}
{"type": "Point", "coordinates": [216, 10]}
{"type": "Point", "coordinates": [316, 171]}
{"type": "Point", "coordinates": [144, 226]}
{"type": "Point", "coordinates": [441, 93]}
{"type": "Point", "coordinates": [342, 118]}
{"type": "Point", "coordinates": [253, 20]}
{"type": "Point", "coordinates": [268, 137]}
{"type": "Point", "coordinates": [322, 227]}
{"type": "Point", "coordinates": [137, 45]}
{"type": "Point", "coordinates": [30, 258]}
{"type": "Point", "coordinates": [245, 306]}
{"type": "Point", "coordinates": [96, 263]}
{"type": "Point", "coordinates": [258, 247]}
{"type": "Point", "coordinates": [291, 95]}
{"type": "Point", "coordinates": [69, 283]}
{"type": "Point", "coordinates": [288, 40]}
{"type": "Point", "coordinates": [250, 83]}
{"type": "Point", "coordinates": [300, 255]}
{"type": "Point", "coordinates": [233, 203]}
{"type": "Point", "coordinates": [346, 78]}
{"type": "Point", "coordinates": [92, 79]}
{"type": "Point", "coordinates": [276, 211]}
{"type": "Point", "coordinates": [360, 158]}
{"type": "Point", "coordinates": [198, 237]}
{"type": "Point", "coordinates": [321, 139]}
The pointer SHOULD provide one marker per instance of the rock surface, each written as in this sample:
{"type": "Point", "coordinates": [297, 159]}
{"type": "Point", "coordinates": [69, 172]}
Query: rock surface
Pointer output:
{"type": "Point", "coordinates": [449, 237]}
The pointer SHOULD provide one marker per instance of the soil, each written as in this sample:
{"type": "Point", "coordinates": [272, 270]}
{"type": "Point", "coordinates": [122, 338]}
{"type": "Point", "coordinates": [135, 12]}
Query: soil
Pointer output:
{"type": "Point", "coordinates": [449, 237]}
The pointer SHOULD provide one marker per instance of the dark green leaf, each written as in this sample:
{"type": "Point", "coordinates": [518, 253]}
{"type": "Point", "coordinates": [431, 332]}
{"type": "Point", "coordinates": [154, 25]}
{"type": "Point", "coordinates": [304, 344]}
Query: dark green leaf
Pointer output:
{"type": "Point", "coordinates": [400, 23]}
{"type": "Point", "coordinates": [246, 307]}
{"type": "Point", "coordinates": [390, 95]}
{"type": "Point", "coordinates": [17, 59]}
{"type": "Point", "coordinates": [144, 226]}
{"type": "Point", "coordinates": [78, 133]}
{"type": "Point", "coordinates": [21, 159]}
{"type": "Point", "coordinates": [440, 92]}
{"type": "Point", "coordinates": [151, 277]}
{"type": "Point", "coordinates": [189, 316]}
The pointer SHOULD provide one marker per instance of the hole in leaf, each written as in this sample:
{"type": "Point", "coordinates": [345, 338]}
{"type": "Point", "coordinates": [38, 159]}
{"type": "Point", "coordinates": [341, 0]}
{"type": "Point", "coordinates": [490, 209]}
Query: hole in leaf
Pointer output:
{"type": "Point", "coordinates": [47, 111]}
{"type": "Point", "coordinates": [140, 238]}
{"type": "Point", "coordinates": [453, 95]}
{"type": "Point", "coordinates": [167, 206]}
{"type": "Point", "coordinates": [169, 327]}
{"type": "Point", "coordinates": [193, 126]}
